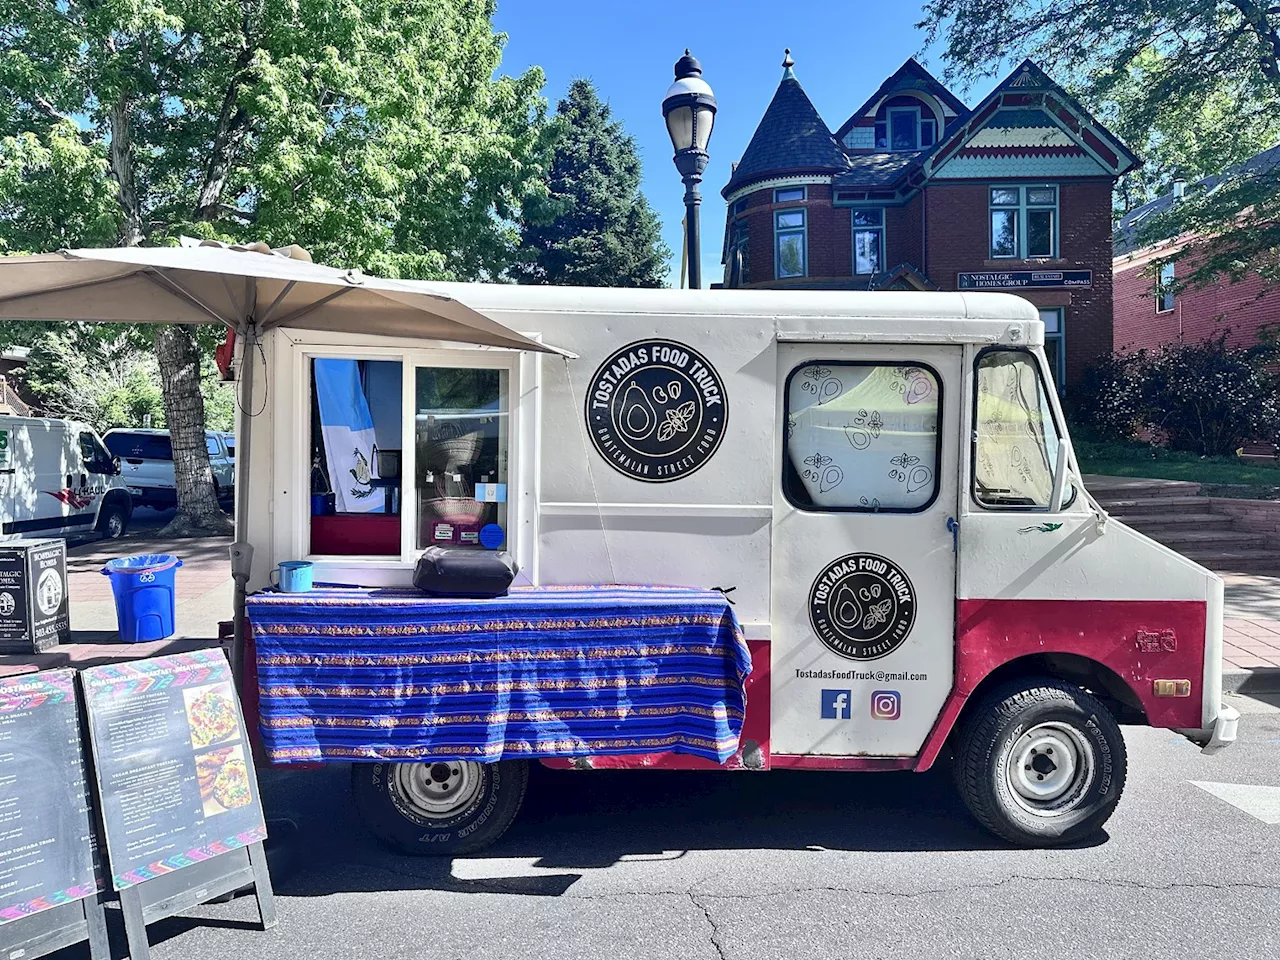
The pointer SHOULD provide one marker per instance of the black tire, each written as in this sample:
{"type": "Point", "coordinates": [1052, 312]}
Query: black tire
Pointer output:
{"type": "Point", "coordinates": [1004, 730]}
{"type": "Point", "coordinates": [113, 520]}
{"type": "Point", "coordinates": [483, 812]}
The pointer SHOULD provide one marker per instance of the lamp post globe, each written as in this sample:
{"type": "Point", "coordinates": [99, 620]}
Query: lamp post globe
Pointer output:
{"type": "Point", "coordinates": [689, 109]}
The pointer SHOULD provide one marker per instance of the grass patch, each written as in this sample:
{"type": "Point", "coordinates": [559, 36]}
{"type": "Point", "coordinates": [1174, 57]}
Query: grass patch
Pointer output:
{"type": "Point", "coordinates": [1157, 463]}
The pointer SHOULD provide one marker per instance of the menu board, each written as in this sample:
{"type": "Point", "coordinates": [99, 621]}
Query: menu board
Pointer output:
{"type": "Point", "coordinates": [46, 842]}
{"type": "Point", "coordinates": [174, 767]}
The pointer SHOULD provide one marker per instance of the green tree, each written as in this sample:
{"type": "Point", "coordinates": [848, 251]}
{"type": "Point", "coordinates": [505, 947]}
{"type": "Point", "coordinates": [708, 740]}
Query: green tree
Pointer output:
{"type": "Point", "coordinates": [375, 134]}
{"type": "Point", "coordinates": [94, 373]}
{"type": "Point", "coordinates": [594, 228]}
{"type": "Point", "coordinates": [1194, 82]}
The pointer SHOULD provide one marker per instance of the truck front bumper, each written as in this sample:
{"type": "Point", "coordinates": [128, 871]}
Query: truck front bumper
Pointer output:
{"type": "Point", "coordinates": [1222, 733]}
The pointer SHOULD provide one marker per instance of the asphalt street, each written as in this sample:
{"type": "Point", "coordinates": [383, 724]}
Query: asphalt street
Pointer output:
{"type": "Point", "coordinates": [781, 864]}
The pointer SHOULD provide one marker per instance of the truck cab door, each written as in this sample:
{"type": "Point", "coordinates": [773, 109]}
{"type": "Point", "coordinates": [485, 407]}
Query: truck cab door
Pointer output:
{"type": "Point", "coordinates": [863, 580]}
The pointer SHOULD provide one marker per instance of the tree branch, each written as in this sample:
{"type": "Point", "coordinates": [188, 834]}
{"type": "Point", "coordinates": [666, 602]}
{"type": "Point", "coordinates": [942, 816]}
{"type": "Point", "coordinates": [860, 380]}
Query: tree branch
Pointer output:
{"type": "Point", "coordinates": [1266, 32]}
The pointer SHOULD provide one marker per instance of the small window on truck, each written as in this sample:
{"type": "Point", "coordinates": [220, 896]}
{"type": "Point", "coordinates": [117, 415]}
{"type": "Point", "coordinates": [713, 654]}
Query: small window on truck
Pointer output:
{"type": "Point", "coordinates": [862, 437]}
{"type": "Point", "coordinates": [1015, 437]}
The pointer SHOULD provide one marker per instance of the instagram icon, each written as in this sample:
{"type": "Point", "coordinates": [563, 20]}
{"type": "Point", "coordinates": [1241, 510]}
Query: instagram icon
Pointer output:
{"type": "Point", "coordinates": [886, 705]}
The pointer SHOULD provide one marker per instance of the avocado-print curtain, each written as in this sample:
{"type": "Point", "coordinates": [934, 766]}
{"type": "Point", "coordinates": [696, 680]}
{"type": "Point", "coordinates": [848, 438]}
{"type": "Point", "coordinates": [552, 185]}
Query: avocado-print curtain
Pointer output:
{"type": "Point", "coordinates": [1016, 441]}
{"type": "Point", "coordinates": [863, 436]}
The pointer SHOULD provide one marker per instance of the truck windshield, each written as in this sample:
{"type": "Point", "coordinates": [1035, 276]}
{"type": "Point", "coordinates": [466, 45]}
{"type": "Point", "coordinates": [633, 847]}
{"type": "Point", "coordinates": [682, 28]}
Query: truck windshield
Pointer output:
{"type": "Point", "coordinates": [1015, 438]}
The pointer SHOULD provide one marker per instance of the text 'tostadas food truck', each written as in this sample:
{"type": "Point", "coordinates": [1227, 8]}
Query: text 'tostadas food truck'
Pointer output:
{"type": "Point", "coordinates": [882, 484]}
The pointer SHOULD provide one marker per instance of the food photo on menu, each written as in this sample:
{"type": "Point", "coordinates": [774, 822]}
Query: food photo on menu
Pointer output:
{"type": "Point", "coordinates": [211, 714]}
{"type": "Point", "coordinates": [223, 779]}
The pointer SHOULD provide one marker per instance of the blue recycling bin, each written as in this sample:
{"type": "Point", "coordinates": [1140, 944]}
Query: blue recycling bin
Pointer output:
{"type": "Point", "coordinates": [145, 596]}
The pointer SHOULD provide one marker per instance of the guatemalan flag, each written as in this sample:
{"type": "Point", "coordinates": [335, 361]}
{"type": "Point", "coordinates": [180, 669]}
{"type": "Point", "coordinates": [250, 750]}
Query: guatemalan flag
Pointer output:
{"type": "Point", "coordinates": [347, 427]}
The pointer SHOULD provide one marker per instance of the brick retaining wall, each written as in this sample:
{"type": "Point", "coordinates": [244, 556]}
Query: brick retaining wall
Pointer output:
{"type": "Point", "coordinates": [1253, 516]}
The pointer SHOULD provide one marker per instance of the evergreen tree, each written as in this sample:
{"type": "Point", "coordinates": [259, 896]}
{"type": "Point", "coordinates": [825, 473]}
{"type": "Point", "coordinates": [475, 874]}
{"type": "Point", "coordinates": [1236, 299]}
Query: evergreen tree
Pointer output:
{"type": "Point", "coordinates": [595, 227]}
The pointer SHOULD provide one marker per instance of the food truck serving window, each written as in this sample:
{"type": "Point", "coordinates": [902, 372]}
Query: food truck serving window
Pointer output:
{"type": "Point", "coordinates": [862, 436]}
{"type": "Point", "coordinates": [1016, 439]}
{"type": "Point", "coordinates": [461, 438]}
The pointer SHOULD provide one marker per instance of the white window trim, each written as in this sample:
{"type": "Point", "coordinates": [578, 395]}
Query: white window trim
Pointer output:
{"type": "Point", "coordinates": [293, 445]}
{"type": "Point", "coordinates": [882, 230]}
{"type": "Point", "coordinates": [1160, 292]}
{"type": "Point", "coordinates": [1021, 222]}
{"type": "Point", "coordinates": [803, 230]}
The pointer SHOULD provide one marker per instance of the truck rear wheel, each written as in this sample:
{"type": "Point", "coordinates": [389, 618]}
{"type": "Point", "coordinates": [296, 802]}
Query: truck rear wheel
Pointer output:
{"type": "Point", "coordinates": [440, 808]}
{"type": "Point", "coordinates": [1041, 763]}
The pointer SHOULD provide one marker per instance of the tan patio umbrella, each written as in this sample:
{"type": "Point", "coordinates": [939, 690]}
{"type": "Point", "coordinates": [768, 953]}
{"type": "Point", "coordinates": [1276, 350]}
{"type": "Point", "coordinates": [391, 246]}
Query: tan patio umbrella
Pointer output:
{"type": "Point", "coordinates": [250, 290]}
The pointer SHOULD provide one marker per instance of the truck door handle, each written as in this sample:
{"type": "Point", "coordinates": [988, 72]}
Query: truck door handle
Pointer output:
{"type": "Point", "coordinates": [953, 525]}
{"type": "Point", "coordinates": [68, 481]}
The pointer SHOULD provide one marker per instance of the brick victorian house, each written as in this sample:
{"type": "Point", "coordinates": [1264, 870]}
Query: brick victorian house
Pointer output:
{"type": "Point", "coordinates": [916, 191]}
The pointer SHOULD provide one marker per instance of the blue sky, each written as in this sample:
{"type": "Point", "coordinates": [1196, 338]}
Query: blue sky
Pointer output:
{"type": "Point", "coordinates": [843, 51]}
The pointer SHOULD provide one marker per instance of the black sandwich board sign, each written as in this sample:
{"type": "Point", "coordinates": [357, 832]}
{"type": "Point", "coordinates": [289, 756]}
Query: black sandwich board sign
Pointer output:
{"type": "Point", "coordinates": [49, 883]}
{"type": "Point", "coordinates": [181, 814]}
{"type": "Point", "coordinates": [34, 611]}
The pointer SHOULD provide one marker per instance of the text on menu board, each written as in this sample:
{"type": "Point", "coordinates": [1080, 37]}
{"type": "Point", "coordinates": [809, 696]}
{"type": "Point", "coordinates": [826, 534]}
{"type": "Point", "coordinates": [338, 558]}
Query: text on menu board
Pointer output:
{"type": "Point", "coordinates": [46, 842]}
{"type": "Point", "coordinates": [1013, 279]}
{"type": "Point", "coordinates": [174, 767]}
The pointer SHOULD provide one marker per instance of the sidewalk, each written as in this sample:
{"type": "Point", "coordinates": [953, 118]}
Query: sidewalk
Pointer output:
{"type": "Point", "coordinates": [203, 586]}
{"type": "Point", "coordinates": [1251, 634]}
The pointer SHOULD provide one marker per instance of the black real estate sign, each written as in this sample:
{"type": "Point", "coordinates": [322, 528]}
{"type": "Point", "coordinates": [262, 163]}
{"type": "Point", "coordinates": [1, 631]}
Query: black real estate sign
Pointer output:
{"type": "Point", "coordinates": [34, 612]}
{"type": "Point", "coordinates": [180, 806]}
{"type": "Point", "coordinates": [1015, 279]}
{"type": "Point", "coordinates": [48, 878]}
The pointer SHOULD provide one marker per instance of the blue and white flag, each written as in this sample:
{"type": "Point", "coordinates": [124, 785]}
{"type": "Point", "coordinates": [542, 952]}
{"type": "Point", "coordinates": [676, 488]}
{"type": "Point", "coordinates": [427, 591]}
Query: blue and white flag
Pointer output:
{"type": "Point", "coordinates": [347, 427]}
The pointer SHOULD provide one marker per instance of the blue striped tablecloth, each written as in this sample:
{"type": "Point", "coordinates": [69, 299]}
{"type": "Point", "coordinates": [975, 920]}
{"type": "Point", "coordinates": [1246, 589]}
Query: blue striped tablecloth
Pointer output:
{"type": "Point", "coordinates": [392, 674]}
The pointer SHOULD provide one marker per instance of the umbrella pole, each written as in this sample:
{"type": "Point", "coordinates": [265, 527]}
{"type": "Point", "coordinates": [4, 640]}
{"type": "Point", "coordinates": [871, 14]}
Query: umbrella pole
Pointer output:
{"type": "Point", "coordinates": [241, 549]}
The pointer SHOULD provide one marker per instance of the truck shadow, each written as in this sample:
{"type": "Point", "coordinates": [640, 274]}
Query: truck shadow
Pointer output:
{"type": "Point", "coordinates": [576, 822]}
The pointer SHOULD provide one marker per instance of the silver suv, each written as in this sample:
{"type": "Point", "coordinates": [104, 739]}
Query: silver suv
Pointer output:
{"type": "Point", "coordinates": [146, 465]}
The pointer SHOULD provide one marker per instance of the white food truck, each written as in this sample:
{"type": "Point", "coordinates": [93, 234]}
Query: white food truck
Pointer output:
{"type": "Point", "coordinates": [882, 480]}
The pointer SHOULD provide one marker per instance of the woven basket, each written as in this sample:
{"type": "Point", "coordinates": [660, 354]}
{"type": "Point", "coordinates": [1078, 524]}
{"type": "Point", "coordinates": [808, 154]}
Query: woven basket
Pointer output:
{"type": "Point", "coordinates": [456, 510]}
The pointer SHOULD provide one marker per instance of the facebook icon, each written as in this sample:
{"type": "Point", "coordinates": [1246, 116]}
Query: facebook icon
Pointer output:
{"type": "Point", "coordinates": [835, 705]}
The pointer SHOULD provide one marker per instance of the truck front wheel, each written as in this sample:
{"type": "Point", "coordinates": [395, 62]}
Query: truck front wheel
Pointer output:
{"type": "Point", "coordinates": [439, 808]}
{"type": "Point", "coordinates": [1041, 763]}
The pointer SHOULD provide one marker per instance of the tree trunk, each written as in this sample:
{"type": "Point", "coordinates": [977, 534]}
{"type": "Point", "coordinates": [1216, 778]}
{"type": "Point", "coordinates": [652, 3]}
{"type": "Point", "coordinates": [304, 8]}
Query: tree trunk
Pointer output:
{"type": "Point", "coordinates": [198, 510]}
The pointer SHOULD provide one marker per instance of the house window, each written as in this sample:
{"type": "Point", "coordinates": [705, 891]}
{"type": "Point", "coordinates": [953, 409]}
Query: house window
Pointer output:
{"type": "Point", "coordinates": [789, 195]}
{"type": "Point", "coordinates": [1164, 289]}
{"type": "Point", "coordinates": [739, 206]}
{"type": "Point", "coordinates": [736, 274]}
{"type": "Point", "coordinates": [903, 129]}
{"type": "Point", "coordinates": [868, 240]}
{"type": "Point", "coordinates": [882, 135]}
{"type": "Point", "coordinates": [928, 132]}
{"type": "Point", "coordinates": [790, 255]}
{"type": "Point", "coordinates": [1024, 222]}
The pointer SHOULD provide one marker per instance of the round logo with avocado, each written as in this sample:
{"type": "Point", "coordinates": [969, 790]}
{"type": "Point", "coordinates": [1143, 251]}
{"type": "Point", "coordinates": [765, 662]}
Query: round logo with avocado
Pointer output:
{"type": "Point", "coordinates": [656, 410]}
{"type": "Point", "coordinates": [862, 606]}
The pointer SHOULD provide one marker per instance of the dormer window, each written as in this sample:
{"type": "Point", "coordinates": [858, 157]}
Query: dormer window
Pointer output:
{"type": "Point", "coordinates": [901, 128]}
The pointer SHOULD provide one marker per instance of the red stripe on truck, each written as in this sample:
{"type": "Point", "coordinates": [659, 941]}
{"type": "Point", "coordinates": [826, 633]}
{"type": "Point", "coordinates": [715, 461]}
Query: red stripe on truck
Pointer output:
{"type": "Point", "coordinates": [1140, 640]}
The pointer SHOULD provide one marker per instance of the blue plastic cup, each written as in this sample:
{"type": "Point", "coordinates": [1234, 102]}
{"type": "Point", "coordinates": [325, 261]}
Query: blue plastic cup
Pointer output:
{"type": "Point", "coordinates": [294, 576]}
{"type": "Point", "coordinates": [145, 596]}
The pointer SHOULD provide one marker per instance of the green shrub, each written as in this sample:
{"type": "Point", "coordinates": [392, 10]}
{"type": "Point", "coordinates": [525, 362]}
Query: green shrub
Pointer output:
{"type": "Point", "coordinates": [1204, 398]}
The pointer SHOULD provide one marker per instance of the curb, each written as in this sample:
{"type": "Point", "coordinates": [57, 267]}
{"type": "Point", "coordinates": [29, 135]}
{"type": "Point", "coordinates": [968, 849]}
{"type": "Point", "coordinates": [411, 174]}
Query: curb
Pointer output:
{"type": "Point", "coordinates": [1262, 680]}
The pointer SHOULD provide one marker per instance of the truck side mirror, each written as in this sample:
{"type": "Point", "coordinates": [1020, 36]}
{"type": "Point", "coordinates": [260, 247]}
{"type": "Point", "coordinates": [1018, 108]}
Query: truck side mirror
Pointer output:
{"type": "Point", "coordinates": [1060, 475]}
{"type": "Point", "coordinates": [115, 466]}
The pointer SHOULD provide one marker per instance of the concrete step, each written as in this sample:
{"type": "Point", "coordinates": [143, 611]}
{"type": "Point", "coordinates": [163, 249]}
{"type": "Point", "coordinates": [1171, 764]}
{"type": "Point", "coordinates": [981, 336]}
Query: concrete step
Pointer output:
{"type": "Point", "coordinates": [1153, 505]}
{"type": "Point", "coordinates": [1130, 488]}
{"type": "Point", "coordinates": [1152, 521]}
{"type": "Point", "coordinates": [1242, 560]}
{"type": "Point", "coordinates": [1206, 539]}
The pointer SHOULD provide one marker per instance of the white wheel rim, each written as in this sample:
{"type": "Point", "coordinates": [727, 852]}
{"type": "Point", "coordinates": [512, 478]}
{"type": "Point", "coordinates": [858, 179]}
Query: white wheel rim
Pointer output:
{"type": "Point", "coordinates": [1047, 767]}
{"type": "Point", "coordinates": [115, 525]}
{"type": "Point", "coordinates": [437, 790]}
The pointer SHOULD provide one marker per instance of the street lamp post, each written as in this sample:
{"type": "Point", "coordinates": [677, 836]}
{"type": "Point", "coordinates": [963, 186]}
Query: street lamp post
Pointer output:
{"type": "Point", "coordinates": [690, 111]}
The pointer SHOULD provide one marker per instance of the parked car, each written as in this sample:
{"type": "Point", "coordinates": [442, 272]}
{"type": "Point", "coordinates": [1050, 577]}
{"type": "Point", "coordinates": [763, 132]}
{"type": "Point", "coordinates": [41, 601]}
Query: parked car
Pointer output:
{"type": "Point", "coordinates": [57, 479]}
{"type": "Point", "coordinates": [146, 458]}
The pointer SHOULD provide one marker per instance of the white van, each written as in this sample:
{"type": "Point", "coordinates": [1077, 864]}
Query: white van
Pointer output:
{"type": "Point", "coordinates": [146, 463]}
{"type": "Point", "coordinates": [883, 480]}
{"type": "Point", "coordinates": [57, 479]}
